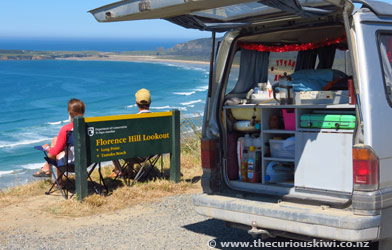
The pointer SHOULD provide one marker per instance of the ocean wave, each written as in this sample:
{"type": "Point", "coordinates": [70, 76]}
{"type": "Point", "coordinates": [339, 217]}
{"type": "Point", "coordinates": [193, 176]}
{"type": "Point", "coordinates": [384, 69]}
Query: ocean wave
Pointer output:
{"type": "Point", "coordinates": [202, 89]}
{"type": "Point", "coordinates": [131, 106]}
{"type": "Point", "coordinates": [23, 142]}
{"type": "Point", "coordinates": [33, 166]}
{"type": "Point", "coordinates": [6, 172]}
{"type": "Point", "coordinates": [170, 107]}
{"type": "Point", "coordinates": [58, 122]}
{"type": "Point", "coordinates": [164, 107]}
{"type": "Point", "coordinates": [191, 102]}
{"type": "Point", "coordinates": [186, 66]}
{"type": "Point", "coordinates": [184, 93]}
{"type": "Point", "coordinates": [54, 123]}
{"type": "Point", "coordinates": [193, 115]}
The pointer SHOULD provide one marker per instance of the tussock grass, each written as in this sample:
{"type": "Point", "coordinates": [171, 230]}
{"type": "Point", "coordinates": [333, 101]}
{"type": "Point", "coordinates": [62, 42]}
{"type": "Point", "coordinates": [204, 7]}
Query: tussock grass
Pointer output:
{"type": "Point", "coordinates": [122, 196]}
{"type": "Point", "coordinates": [19, 193]}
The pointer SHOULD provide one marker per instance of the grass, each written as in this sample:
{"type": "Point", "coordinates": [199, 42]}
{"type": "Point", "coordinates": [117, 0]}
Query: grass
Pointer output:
{"type": "Point", "coordinates": [122, 196]}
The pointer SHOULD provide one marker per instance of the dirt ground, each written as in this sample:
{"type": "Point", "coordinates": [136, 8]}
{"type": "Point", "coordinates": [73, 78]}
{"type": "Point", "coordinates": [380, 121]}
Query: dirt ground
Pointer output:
{"type": "Point", "coordinates": [33, 216]}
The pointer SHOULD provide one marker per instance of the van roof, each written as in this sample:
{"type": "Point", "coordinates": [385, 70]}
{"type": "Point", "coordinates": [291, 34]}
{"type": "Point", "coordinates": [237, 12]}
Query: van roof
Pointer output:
{"type": "Point", "coordinates": [378, 7]}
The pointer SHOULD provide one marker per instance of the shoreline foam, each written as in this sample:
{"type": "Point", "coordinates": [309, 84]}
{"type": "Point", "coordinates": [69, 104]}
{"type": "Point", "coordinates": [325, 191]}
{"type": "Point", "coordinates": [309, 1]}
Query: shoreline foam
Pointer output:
{"type": "Point", "coordinates": [127, 58]}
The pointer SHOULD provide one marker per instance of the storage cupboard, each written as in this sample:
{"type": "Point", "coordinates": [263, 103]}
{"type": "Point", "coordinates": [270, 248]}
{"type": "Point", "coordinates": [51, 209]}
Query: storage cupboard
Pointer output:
{"type": "Point", "coordinates": [320, 158]}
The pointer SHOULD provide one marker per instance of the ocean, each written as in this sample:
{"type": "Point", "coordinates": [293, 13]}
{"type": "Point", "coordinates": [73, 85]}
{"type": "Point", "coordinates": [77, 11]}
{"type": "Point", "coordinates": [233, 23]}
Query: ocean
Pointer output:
{"type": "Point", "coordinates": [34, 96]}
{"type": "Point", "coordinates": [74, 44]}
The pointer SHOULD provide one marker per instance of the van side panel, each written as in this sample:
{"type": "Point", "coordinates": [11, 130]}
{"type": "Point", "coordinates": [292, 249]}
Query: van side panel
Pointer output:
{"type": "Point", "coordinates": [377, 114]}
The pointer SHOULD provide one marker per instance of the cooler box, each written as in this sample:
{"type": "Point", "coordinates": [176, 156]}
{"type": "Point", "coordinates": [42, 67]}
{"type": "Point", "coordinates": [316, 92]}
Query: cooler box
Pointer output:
{"type": "Point", "coordinates": [331, 121]}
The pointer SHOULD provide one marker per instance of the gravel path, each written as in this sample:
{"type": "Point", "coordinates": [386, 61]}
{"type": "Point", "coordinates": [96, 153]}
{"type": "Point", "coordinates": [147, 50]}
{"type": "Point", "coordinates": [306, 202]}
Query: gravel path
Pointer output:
{"type": "Point", "coordinates": [171, 223]}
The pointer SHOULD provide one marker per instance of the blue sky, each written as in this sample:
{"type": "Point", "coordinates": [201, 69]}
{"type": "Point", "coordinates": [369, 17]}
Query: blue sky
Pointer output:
{"type": "Point", "coordinates": [70, 19]}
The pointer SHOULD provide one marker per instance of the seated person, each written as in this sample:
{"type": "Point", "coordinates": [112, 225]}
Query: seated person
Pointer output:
{"type": "Point", "coordinates": [143, 101]}
{"type": "Point", "coordinates": [56, 150]}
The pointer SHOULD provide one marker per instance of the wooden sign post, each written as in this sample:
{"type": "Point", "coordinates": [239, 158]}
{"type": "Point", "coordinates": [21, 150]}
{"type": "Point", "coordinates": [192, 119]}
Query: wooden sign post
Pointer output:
{"type": "Point", "coordinates": [106, 138]}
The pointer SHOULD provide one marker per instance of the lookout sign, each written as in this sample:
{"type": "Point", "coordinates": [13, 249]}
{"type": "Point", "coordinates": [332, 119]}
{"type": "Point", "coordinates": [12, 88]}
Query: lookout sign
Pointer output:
{"type": "Point", "coordinates": [99, 139]}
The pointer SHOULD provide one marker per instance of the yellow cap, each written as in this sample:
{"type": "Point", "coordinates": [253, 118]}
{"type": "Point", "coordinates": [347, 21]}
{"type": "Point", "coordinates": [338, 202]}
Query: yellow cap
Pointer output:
{"type": "Point", "coordinates": [252, 148]}
{"type": "Point", "coordinates": [143, 96]}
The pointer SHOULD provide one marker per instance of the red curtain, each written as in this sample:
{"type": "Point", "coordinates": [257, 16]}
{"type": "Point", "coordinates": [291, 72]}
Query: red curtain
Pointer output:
{"type": "Point", "coordinates": [293, 47]}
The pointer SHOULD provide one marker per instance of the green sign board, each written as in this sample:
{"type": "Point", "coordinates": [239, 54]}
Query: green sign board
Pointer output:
{"type": "Point", "coordinates": [126, 136]}
{"type": "Point", "coordinates": [99, 139]}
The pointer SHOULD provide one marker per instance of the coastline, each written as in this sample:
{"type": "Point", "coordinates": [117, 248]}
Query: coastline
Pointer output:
{"type": "Point", "coordinates": [20, 173]}
{"type": "Point", "coordinates": [127, 58]}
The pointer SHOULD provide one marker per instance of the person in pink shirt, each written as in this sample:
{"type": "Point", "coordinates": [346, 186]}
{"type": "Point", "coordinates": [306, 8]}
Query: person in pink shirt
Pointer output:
{"type": "Point", "coordinates": [56, 150]}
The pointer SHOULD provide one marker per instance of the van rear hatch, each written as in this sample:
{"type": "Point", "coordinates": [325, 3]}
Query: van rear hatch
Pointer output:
{"type": "Point", "coordinates": [214, 15]}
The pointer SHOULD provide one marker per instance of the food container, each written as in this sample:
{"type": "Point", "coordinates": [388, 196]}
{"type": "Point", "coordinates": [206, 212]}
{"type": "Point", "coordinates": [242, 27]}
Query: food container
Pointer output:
{"type": "Point", "coordinates": [245, 126]}
{"type": "Point", "coordinates": [245, 113]}
{"type": "Point", "coordinates": [283, 148]}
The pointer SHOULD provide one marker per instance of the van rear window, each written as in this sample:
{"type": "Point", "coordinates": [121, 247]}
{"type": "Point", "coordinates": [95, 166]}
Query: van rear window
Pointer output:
{"type": "Point", "coordinates": [385, 43]}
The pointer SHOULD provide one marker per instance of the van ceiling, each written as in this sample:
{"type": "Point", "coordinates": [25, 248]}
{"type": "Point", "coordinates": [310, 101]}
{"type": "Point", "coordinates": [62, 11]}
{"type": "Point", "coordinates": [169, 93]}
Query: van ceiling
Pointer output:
{"type": "Point", "coordinates": [304, 35]}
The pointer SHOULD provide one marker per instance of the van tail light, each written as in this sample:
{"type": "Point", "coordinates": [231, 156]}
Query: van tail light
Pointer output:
{"type": "Point", "coordinates": [208, 153]}
{"type": "Point", "coordinates": [365, 169]}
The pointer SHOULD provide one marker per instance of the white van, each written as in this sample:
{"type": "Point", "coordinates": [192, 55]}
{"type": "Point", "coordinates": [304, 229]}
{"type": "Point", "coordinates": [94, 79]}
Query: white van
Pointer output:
{"type": "Point", "coordinates": [321, 160]}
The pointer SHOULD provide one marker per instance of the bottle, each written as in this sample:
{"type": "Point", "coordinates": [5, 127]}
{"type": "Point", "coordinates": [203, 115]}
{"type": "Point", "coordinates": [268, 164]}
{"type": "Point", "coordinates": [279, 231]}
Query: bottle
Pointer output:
{"type": "Point", "coordinates": [248, 141]}
{"type": "Point", "coordinates": [244, 166]}
{"type": "Point", "coordinates": [278, 172]}
{"type": "Point", "coordinates": [252, 165]}
{"type": "Point", "coordinates": [269, 89]}
{"type": "Point", "coordinates": [257, 143]}
{"type": "Point", "coordinates": [261, 86]}
{"type": "Point", "coordinates": [256, 90]}
{"type": "Point", "coordinates": [240, 150]}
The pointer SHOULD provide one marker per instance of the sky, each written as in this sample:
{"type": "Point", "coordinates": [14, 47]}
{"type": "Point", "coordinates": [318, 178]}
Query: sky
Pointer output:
{"type": "Point", "coordinates": [70, 19]}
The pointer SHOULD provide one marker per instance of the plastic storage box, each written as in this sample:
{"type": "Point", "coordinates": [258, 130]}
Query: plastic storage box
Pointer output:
{"type": "Point", "coordinates": [283, 148]}
{"type": "Point", "coordinates": [289, 119]}
{"type": "Point", "coordinates": [329, 121]}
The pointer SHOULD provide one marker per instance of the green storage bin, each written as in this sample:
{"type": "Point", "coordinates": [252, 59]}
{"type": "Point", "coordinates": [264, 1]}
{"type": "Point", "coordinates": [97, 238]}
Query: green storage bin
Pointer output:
{"type": "Point", "coordinates": [331, 121]}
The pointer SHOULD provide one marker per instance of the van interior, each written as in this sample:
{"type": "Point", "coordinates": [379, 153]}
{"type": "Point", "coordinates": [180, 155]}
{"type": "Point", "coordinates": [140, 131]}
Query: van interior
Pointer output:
{"type": "Point", "coordinates": [289, 113]}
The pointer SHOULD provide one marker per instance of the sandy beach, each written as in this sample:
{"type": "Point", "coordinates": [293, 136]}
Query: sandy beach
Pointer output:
{"type": "Point", "coordinates": [128, 58]}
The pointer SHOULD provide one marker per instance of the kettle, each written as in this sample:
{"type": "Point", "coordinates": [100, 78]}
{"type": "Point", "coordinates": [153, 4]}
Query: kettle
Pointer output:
{"type": "Point", "coordinates": [285, 90]}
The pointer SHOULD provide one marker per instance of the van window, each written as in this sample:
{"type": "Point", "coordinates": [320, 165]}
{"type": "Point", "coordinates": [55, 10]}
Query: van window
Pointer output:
{"type": "Point", "coordinates": [253, 69]}
{"type": "Point", "coordinates": [341, 62]}
{"type": "Point", "coordinates": [261, 63]}
{"type": "Point", "coordinates": [385, 45]}
{"type": "Point", "coordinates": [234, 72]}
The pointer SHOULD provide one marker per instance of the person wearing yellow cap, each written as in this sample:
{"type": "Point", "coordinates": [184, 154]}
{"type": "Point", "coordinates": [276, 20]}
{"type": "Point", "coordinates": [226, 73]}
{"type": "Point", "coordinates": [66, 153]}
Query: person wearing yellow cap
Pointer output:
{"type": "Point", "coordinates": [143, 101]}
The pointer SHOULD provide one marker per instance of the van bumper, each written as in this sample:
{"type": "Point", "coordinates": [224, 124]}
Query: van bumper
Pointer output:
{"type": "Point", "coordinates": [313, 221]}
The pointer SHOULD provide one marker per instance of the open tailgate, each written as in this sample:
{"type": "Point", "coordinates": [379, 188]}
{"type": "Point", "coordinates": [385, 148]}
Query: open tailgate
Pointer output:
{"type": "Point", "coordinates": [215, 15]}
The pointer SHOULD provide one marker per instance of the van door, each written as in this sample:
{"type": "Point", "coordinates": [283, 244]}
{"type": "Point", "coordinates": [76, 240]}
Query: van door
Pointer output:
{"type": "Point", "coordinates": [374, 43]}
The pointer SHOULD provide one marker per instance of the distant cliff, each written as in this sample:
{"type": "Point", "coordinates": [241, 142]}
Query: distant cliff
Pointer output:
{"type": "Point", "coordinates": [45, 55]}
{"type": "Point", "coordinates": [199, 47]}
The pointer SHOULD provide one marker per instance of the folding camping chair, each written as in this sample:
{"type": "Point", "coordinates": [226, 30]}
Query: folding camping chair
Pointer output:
{"type": "Point", "coordinates": [65, 166]}
{"type": "Point", "coordinates": [146, 169]}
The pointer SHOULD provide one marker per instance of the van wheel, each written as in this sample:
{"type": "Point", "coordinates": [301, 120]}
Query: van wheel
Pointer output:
{"type": "Point", "coordinates": [385, 244]}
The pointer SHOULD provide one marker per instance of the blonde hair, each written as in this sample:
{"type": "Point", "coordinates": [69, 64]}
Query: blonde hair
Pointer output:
{"type": "Point", "coordinates": [76, 107]}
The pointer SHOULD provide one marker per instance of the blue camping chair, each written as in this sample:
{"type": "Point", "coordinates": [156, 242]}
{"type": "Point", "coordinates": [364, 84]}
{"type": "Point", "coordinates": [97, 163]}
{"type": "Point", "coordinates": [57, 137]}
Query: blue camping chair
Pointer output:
{"type": "Point", "coordinates": [65, 166]}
